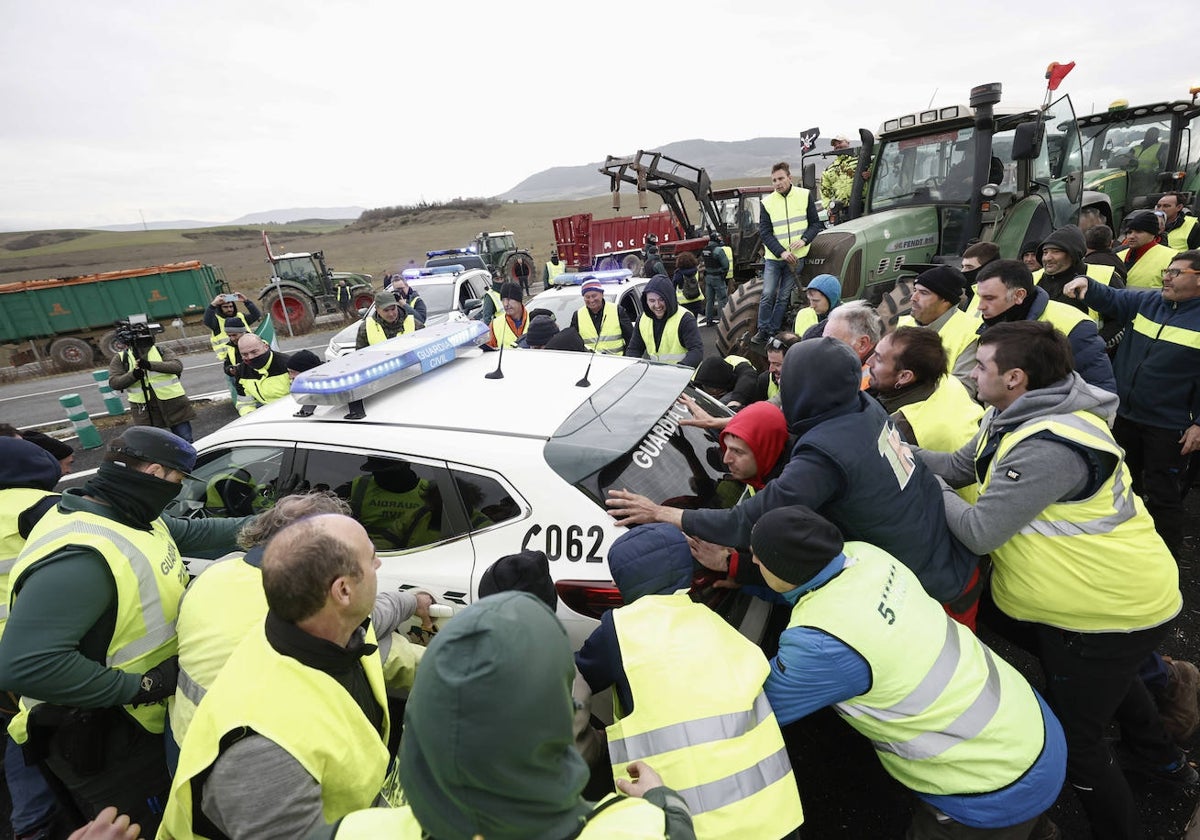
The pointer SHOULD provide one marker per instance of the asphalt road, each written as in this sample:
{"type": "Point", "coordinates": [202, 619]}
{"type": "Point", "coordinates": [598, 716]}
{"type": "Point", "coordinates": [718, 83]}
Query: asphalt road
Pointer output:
{"type": "Point", "coordinates": [844, 790]}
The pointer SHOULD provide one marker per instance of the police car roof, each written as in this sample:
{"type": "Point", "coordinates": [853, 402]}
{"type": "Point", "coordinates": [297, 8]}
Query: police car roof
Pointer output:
{"type": "Point", "coordinates": [536, 395]}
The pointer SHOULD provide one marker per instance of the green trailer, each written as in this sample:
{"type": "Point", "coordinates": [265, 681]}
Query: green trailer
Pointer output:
{"type": "Point", "coordinates": [70, 320]}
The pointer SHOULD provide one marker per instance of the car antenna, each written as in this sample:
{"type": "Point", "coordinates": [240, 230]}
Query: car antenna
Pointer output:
{"type": "Point", "coordinates": [497, 373]}
{"type": "Point", "coordinates": [583, 383]}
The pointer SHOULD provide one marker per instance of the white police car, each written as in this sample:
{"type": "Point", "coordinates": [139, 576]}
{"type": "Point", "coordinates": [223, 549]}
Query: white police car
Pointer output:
{"type": "Point", "coordinates": [446, 290]}
{"type": "Point", "coordinates": [453, 457]}
{"type": "Point", "coordinates": [564, 299]}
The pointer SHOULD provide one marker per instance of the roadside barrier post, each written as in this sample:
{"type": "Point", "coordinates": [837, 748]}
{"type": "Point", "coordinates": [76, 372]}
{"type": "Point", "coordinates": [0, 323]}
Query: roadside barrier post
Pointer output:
{"type": "Point", "coordinates": [89, 437]}
{"type": "Point", "coordinates": [112, 400]}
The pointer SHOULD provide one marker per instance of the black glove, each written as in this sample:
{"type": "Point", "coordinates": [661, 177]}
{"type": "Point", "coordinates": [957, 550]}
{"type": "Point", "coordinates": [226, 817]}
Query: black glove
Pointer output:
{"type": "Point", "coordinates": [230, 370]}
{"type": "Point", "coordinates": [143, 364]}
{"type": "Point", "coordinates": [138, 373]}
{"type": "Point", "coordinates": [158, 683]}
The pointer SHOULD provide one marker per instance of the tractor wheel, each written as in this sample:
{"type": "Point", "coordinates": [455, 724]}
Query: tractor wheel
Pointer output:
{"type": "Point", "coordinates": [895, 303]}
{"type": "Point", "coordinates": [634, 263]}
{"type": "Point", "coordinates": [109, 345]}
{"type": "Point", "coordinates": [288, 305]}
{"type": "Point", "coordinates": [363, 297]}
{"type": "Point", "coordinates": [739, 321]}
{"type": "Point", "coordinates": [510, 269]}
{"type": "Point", "coordinates": [71, 354]}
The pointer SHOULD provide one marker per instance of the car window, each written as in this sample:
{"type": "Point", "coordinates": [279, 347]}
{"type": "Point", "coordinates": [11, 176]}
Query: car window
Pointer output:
{"type": "Point", "coordinates": [631, 304]}
{"type": "Point", "coordinates": [240, 481]}
{"type": "Point", "coordinates": [399, 501]}
{"type": "Point", "coordinates": [628, 436]}
{"type": "Point", "coordinates": [486, 500]}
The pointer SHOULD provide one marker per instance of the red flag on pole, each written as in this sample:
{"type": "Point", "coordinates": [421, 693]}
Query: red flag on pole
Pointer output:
{"type": "Point", "coordinates": [1056, 73]}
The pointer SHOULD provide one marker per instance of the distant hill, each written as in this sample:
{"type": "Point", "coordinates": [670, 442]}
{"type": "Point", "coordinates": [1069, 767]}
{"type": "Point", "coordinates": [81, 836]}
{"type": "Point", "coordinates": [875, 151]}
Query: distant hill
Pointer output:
{"type": "Point", "coordinates": [298, 214]}
{"type": "Point", "coordinates": [723, 160]}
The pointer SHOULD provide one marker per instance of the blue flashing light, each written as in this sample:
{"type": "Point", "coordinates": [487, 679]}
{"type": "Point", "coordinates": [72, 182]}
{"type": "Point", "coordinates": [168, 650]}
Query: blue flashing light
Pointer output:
{"type": "Point", "coordinates": [615, 275]}
{"type": "Point", "coordinates": [417, 273]}
{"type": "Point", "coordinates": [381, 366]}
{"type": "Point", "coordinates": [448, 251]}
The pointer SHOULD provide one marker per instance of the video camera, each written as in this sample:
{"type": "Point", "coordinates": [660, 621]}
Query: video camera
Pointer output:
{"type": "Point", "coordinates": [136, 327]}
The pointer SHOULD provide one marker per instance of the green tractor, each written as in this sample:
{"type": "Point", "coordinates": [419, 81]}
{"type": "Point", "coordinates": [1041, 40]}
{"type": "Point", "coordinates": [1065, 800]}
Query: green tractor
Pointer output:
{"type": "Point", "coordinates": [939, 179]}
{"type": "Point", "coordinates": [500, 253]}
{"type": "Point", "coordinates": [1132, 154]}
{"type": "Point", "coordinates": [303, 287]}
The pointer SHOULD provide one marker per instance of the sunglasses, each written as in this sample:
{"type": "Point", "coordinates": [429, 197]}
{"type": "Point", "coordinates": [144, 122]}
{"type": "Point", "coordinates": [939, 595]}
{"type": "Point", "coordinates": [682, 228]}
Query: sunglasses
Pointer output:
{"type": "Point", "coordinates": [779, 344]}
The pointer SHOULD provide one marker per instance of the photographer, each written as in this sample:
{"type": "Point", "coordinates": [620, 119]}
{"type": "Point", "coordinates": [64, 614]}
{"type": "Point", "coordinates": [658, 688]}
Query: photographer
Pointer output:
{"type": "Point", "coordinates": [150, 377]}
{"type": "Point", "coordinates": [219, 311]}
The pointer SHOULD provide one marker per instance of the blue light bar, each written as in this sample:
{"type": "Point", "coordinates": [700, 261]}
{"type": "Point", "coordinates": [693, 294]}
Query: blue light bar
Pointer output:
{"type": "Point", "coordinates": [381, 366]}
{"type": "Point", "coordinates": [615, 275]}
{"type": "Point", "coordinates": [447, 251]}
{"type": "Point", "coordinates": [417, 273]}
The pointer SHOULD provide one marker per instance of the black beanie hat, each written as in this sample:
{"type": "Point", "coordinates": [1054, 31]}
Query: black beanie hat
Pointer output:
{"type": "Point", "coordinates": [795, 543]}
{"type": "Point", "coordinates": [303, 360]}
{"type": "Point", "coordinates": [944, 281]}
{"type": "Point", "coordinates": [541, 330]}
{"type": "Point", "coordinates": [528, 571]}
{"type": "Point", "coordinates": [511, 291]}
{"type": "Point", "coordinates": [1143, 220]}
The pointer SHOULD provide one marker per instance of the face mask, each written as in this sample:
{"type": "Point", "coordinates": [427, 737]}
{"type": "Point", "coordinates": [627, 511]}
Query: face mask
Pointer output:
{"type": "Point", "coordinates": [259, 362]}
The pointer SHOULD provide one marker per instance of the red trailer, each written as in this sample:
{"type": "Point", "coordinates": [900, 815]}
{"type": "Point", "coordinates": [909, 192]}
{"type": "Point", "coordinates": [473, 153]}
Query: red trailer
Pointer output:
{"type": "Point", "coordinates": [585, 242]}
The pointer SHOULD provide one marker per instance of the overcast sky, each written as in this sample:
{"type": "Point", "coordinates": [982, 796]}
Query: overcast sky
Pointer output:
{"type": "Point", "coordinates": [211, 110]}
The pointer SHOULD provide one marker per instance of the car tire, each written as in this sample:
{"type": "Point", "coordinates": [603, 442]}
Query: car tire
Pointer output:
{"type": "Point", "coordinates": [634, 263]}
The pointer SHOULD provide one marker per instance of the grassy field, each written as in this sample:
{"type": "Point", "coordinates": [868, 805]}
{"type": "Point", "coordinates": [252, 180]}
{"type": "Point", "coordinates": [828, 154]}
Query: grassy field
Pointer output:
{"type": "Point", "coordinates": [239, 251]}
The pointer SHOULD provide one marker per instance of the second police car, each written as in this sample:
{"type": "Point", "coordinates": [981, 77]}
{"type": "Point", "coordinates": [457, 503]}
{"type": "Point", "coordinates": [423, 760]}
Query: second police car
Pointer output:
{"type": "Point", "coordinates": [452, 458]}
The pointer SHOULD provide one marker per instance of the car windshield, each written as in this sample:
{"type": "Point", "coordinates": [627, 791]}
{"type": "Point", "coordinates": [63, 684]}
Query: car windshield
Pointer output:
{"type": "Point", "coordinates": [437, 294]}
{"type": "Point", "coordinates": [562, 305]}
{"type": "Point", "coordinates": [628, 436]}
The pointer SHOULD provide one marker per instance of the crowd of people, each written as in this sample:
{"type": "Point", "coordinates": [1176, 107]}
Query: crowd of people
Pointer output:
{"type": "Point", "coordinates": [1012, 458]}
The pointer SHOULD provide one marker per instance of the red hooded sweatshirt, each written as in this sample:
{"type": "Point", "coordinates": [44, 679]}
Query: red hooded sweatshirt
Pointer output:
{"type": "Point", "coordinates": [764, 429]}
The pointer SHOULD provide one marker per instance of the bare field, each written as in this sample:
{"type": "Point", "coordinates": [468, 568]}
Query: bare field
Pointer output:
{"type": "Point", "coordinates": [239, 251]}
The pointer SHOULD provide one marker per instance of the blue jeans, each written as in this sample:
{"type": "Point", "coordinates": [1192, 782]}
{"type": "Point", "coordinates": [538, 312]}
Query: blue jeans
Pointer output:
{"type": "Point", "coordinates": [33, 803]}
{"type": "Point", "coordinates": [184, 430]}
{"type": "Point", "coordinates": [716, 293]}
{"type": "Point", "coordinates": [778, 280]}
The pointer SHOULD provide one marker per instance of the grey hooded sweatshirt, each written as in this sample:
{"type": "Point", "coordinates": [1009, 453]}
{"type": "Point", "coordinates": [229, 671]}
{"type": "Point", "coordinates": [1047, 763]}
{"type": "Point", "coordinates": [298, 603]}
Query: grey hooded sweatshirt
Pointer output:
{"type": "Point", "coordinates": [1032, 476]}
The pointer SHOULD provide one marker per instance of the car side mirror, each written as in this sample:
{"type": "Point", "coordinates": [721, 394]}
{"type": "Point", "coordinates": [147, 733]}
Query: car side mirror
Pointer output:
{"type": "Point", "coordinates": [808, 176]}
{"type": "Point", "coordinates": [1027, 141]}
{"type": "Point", "coordinates": [471, 304]}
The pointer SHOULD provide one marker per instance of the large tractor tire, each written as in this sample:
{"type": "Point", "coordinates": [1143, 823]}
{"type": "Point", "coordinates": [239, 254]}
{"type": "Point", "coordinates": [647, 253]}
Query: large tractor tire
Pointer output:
{"type": "Point", "coordinates": [509, 272]}
{"type": "Point", "coordinates": [634, 263]}
{"type": "Point", "coordinates": [739, 321]}
{"type": "Point", "coordinates": [895, 303]}
{"type": "Point", "coordinates": [290, 305]}
{"type": "Point", "coordinates": [71, 354]}
{"type": "Point", "coordinates": [363, 297]}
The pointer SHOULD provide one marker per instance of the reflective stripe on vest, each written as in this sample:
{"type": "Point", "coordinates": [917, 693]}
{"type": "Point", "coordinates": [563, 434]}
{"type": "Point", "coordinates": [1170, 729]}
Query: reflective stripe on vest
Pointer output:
{"type": "Point", "coordinates": [220, 339]}
{"type": "Point", "coordinates": [1036, 574]}
{"type": "Point", "coordinates": [14, 501]}
{"type": "Point", "coordinates": [1178, 238]}
{"type": "Point", "coordinates": [671, 350]}
{"type": "Point", "coordinates": [789, 220]}
{"type": "Point", "coordinates": [1146, 273]}
{"type": "Point", "coordinates": [1162, 332]}
{"type": "Point", "coordinates": [304, 711]}
{"type": "Point", "coordinates": [165, 386]}
{"type": "Point", "coordinates": [149, 575]}
{"type": "Point", "coordinates": [376, 335]}
{"type": "Point", "coordinates": [610, 340]}
{"type": "Point", "coordinates": [709, 731]}
{"type": "Point", "coordinates": [944, 714]}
